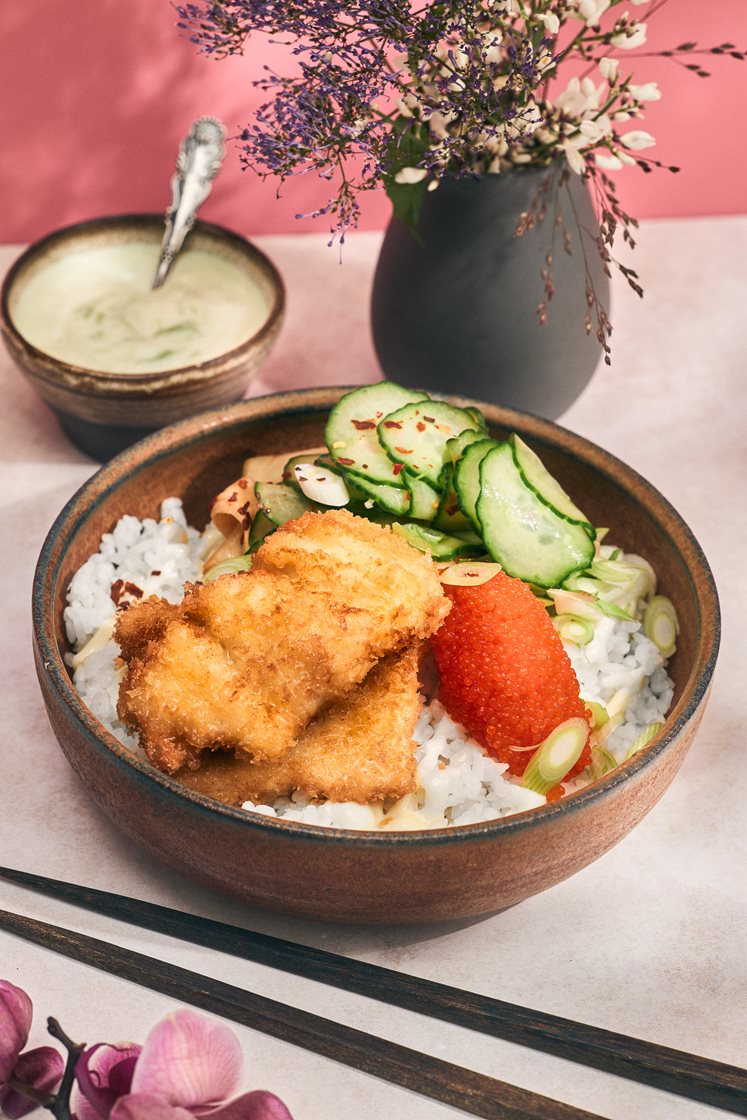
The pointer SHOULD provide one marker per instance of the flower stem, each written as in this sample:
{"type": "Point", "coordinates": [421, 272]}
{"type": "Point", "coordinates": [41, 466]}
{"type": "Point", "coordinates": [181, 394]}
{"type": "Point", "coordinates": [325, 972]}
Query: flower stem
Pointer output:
{"type": "Point", "coordinates": [59, 1105]}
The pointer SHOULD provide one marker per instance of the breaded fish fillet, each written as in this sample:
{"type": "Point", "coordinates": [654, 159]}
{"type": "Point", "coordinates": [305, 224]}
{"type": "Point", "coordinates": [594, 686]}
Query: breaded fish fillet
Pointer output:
{"type": "Point", "coordinates": [359, 749]}
{"type": "Point", "coordinates": [246, 661]}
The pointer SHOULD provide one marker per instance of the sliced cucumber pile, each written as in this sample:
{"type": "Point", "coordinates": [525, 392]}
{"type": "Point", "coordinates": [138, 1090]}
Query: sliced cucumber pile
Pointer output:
{"type": "Point", "coordinates": [431, 470]}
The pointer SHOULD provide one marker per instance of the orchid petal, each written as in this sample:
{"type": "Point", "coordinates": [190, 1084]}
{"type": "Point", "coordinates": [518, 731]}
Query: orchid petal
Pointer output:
{"type": "Point", "coordinates": [257, 1105]}
{"type": "Point", "coordinates": [15, 1023]}
{"type": "Point", "coordinates": [103, 1074]}
{"type": "Point", "coordinates": [40, 1069]}
{"type": "Point", "coordinates": [147, 1106]}
{"type": "Point", "coordinates": [189, 1060]}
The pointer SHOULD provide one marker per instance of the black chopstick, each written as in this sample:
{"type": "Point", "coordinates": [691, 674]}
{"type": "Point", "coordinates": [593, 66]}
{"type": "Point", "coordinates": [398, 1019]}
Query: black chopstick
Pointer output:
{"type": "Point", "coordinates": [687, 1075]}
{"type": "Point", "coordinates": [450, 1084]}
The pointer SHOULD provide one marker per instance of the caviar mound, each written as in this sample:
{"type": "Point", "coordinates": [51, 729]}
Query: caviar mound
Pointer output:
{"type": "Point", "coordinates": [503, 670]}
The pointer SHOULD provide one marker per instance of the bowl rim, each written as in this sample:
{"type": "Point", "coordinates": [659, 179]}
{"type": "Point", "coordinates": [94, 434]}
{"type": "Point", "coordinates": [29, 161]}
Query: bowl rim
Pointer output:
{"type": "Point", "coordinates": [135, 220]}
{"type": "Point", "coordinates": [318, 400]}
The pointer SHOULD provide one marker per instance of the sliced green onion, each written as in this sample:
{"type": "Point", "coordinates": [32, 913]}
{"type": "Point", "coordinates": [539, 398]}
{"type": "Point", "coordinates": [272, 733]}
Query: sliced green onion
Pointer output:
{"type": "Point", "coordinates": [227, 567]}
{"type": "Point", "coordinates": [613, 571]}
{"type": "Point", "coordinates": [613, 611]}
{"type": "Point", "coordinates": [660, 624]}
{"type": "Point", "coordinates": [578, 603]}
{"type": "Point", "coordinates": [602, 762]}
{"type": "Point", "coordinates": [648, 575]}
{"type": "Point", "coordinates": [603, 733]}
{"type": "Point", "coordinates": [644, 738]}
{"type": "Point", "coordinates": [558, 754]}
{"type": "Point", "coordinates": [598, 711]}
{"type": "Point", "coordinates": [571, 628]}
{"type": "Point", "coordinates": [581, 582]}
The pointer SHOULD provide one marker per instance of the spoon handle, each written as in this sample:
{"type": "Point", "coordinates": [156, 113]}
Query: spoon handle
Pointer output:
{"type": "Point", "coordinates": [197, 165]}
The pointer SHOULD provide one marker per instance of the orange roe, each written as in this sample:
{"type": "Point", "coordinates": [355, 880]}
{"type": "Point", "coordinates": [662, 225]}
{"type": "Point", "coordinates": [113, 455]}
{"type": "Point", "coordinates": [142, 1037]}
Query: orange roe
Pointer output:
{"type": "Point", "coordinates": [504, 672]}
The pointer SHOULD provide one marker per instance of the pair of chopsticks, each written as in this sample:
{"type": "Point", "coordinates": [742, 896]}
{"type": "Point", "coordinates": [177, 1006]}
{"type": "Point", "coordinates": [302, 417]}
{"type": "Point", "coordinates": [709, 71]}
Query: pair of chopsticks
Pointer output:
{"type": "Point", "coordinates": [700, 1079]}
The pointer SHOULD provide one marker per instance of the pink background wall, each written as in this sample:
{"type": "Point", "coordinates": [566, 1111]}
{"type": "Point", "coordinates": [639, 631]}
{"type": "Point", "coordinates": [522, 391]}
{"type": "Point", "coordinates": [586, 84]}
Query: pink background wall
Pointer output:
{"type": "Point", "coordinates": [95, 96]}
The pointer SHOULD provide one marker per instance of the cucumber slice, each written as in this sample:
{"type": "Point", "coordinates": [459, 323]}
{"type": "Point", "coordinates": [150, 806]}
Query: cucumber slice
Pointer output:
{"type": "Point", "coordinates": [416, 435]}
{"type": "Point", "coordinates": [351, 434]}
{"type": "Point", "coordinates": [389, 498]}
{"type": "Point", "coordinates": [520, 531]}
{"type": "Point", "coordinates": [279, 502]}
{"type": "Point", "coordinates": [261, 528]}
{"type": "Point", "coordinates": [424, 500]}
{"type": "Point", "coordinates": [288, 476]}
{"type": "Point", "coordinates": [478, 417]}
{"type": "Point", "coordinates": [449, 517]}
{"type": "Point", "coordinates": [547, 488]}
{"type": "Point", "coordinates": [467, 479]}
{"type": "Point", "coordinates": [440, 546]}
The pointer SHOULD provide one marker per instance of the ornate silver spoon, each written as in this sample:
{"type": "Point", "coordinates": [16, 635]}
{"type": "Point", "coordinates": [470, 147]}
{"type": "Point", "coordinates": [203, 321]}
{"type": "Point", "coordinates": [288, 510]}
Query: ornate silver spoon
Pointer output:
{"type": "Point", "coordinates": [197, 164]}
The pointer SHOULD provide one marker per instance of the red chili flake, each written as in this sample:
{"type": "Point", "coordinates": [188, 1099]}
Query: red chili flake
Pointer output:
{"type": "Point", "coordinates": [243, 509]}
{"type": "Point", "coordinates": [392, 423]}
{"type": "Point", "coordinates": [234, 497]}
{"type": "Point", "coordinates": [122, 587]}
{"type": "Point", "coordinates": [323, 477]}
{"type": "Point", "coordinates": [362, 425]}
{"type": "Point", "coordinates": [451, 510]}
{"type": "Point", "coordinates": [365, 466]}
{"type": "Point", "coordinates": [155, 572]}
{"type": "Point", "coordinates": [246, 521]}
{"type": "Point", "coordinates": [302, 478]}
{"type": "Point", "coordinates": [420, 426]}
{"type": "Point", "coordinates": [397, 468]}
{"type": "Point", "coordinates": [285, 476]}
{"type": "Point", "coordinates": [430, 419]}
{"type": "Point", "coordinates": [242, 483]}
{"type": "Point", "coordinates": [347, 462]}
{"type": "Point", "coordinates": [379, 415]}
{"type": "Point", "coordinates": [404, 450]}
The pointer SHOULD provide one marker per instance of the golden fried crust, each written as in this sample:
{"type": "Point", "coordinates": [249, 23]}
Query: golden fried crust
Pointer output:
{"type": "Point", "coordinates": [133, 630]}
{"type": "Point", "coordinates": [249, 659]}
{"type": "Point", "coordinates": [359, 749]}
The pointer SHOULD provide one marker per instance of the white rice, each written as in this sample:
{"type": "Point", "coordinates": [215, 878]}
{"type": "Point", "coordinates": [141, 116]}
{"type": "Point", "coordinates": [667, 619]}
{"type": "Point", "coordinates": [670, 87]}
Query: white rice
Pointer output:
{"type": "Point", "coordinates": [458, 782]}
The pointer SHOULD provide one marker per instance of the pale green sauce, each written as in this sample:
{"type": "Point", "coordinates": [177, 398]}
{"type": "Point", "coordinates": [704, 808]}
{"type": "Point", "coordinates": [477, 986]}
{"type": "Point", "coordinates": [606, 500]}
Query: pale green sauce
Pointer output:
{"type": "Point", "coordinates": [95, 308]}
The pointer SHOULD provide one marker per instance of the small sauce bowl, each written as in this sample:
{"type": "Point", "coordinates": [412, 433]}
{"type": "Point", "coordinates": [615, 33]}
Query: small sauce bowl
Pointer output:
{"type": "Point", "coordinates": [104, 412]}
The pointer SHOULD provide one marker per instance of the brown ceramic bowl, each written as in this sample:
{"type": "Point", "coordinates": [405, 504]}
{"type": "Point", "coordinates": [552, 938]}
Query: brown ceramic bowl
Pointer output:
{"type": "Point", "coordinates": [340, 874]}
{"type": "Point", "coordinates": [105, 412]}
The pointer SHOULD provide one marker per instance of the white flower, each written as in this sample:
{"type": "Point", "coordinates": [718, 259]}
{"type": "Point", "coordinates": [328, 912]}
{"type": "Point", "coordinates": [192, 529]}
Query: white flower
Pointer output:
{"type": "Point", "coordinates": [590, 10]}
{"type": "Point", "coordinates": [633, 36]}
{"type": "Point", "coordinates": [551, 22]}
{"type": "Point", "coordinates": [608, 68]}
{"type": "Point", "coordinates": [592, 131]}
{"type": "Point", "coordinates": [576, 161]}
{"type": "Point", "coordinates": [648, 92]}
{"type": "Point", "coordinates": [607, 161]}
{"type": "Point", "coordinates": [409, 175]}
{"type": "Point", "coordinates": [579, 97]}
{"type": "Point", "coordinates": [637, 140]}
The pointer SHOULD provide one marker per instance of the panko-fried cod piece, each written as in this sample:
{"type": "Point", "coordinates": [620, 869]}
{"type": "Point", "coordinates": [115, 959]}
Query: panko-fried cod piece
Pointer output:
{"type": "Point", "coordinates": [359, 749]}
{"type": "Point", "coordinates": [246, 661]}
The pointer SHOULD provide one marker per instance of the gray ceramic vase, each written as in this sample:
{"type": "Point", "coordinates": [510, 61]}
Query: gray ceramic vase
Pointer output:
{"type": "Point", "coordinates": [455, 311]}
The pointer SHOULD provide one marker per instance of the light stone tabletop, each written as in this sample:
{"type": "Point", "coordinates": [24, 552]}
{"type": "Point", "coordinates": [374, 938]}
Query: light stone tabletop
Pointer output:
{"type": "Point", "coordinates": [651, 940]}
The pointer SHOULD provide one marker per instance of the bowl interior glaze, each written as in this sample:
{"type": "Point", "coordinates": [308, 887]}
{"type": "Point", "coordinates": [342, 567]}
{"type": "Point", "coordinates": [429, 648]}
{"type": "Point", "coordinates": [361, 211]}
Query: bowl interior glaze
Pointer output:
{"type": "Point", "coordinates": [328, 873]}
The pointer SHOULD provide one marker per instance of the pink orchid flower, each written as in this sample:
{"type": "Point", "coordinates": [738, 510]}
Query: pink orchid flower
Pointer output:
{"type": "Point", "coordinates": [40, 1069]}
{"type": "Point", "coordinates": [188, 1067]}
{"type": "Point", "coordinates": [103, 1074]}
